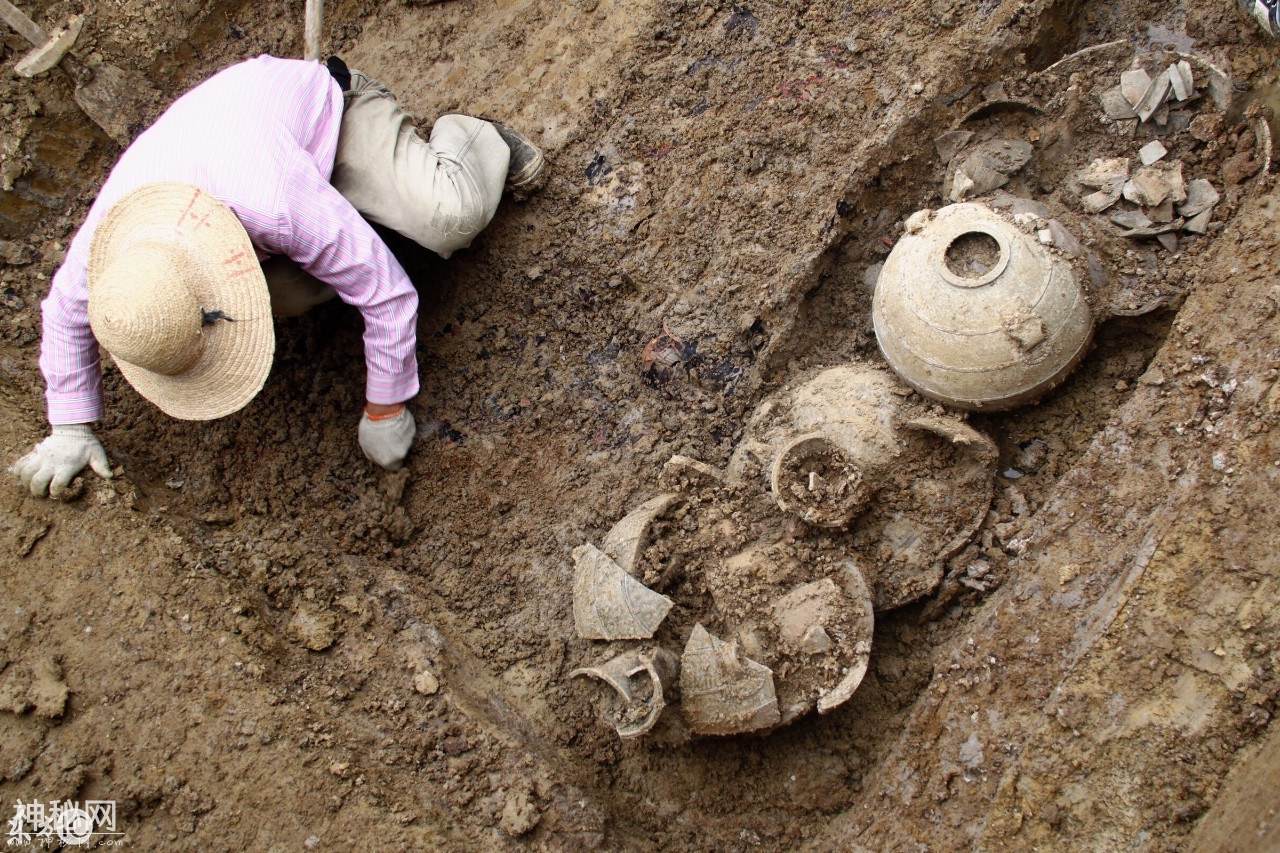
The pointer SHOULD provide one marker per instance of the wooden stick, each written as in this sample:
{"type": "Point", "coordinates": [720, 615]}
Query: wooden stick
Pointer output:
{"type": "Point", "coordinates": [313, 28]}
{"type": "Point", "coordinates": [25, 27]}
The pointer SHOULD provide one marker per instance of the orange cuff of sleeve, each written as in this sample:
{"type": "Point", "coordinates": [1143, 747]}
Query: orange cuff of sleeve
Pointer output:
{"type": "Point", "coordinates": [387, 416]}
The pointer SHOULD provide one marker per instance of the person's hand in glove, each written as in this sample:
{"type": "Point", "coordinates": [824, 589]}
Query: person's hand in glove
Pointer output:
{"type": "Point", "coordinates": [50, 467]}
{"type": "Point", "coordinates": [386, 433]}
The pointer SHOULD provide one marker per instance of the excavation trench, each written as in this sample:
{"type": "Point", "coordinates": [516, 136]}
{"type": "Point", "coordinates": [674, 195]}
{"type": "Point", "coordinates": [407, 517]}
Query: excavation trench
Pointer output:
{"type": "Point", "coordinates": [339, 648]}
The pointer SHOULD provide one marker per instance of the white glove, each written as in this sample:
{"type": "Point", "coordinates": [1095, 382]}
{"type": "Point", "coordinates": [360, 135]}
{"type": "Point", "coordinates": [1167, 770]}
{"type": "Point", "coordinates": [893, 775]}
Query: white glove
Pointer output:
{"type": "Point", "coordinates": [386, 441]}
{"type": "Point", "coordinates": [57, 459]}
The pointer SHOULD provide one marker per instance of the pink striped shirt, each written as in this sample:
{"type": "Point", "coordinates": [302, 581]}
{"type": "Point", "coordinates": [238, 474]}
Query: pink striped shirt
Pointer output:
{"type": "Point", "coordinates": [261, 137]}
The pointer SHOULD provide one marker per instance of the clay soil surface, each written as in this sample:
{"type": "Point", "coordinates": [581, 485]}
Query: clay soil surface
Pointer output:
{"type": "Point", "coordinates": [252, 640]}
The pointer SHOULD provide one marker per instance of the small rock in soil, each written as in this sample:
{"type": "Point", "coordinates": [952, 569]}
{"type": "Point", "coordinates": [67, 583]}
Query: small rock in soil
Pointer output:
{"type": "Point", "coordinates": [1206, 127]}
{"type": "Point", "coordinates": [426, 683]}
{"type": "Point", "coordinates": [519, 815]}
{"type": "Point", "coordinates": [48, 692]}
{"type": "Point", "coordinates": [1240, 168]}
{"type": "Point", "coordinates": [312, 629]}
{"type": "Point", "coordinates": [1032, 456]}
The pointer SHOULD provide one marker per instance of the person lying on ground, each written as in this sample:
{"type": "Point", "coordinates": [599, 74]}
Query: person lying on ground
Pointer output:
{"type": "Point", "coordinates": [249, 196]}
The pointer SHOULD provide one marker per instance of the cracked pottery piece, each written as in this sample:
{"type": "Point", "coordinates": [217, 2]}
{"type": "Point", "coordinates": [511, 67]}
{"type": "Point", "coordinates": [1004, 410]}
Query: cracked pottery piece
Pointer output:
{"type": "Point", "coordinates": [641, 682]}
{"type": "Point", "coordinates": [630, 536]}
{"type": "Point", "coordinates": [609, 604]}
{"type": "Point", "coordinates": [722, 691]}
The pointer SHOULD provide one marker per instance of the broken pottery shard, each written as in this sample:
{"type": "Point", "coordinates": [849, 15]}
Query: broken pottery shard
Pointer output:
{"type": "Point", "coordinates": [855, 587]}
{"type": "Point", "coordinates": [950, 143]}
{"type": "Point", "coordinates": [974, 179]}
{"type": "Point", "coordinates": [680, 471]}
{"type": "Point", "coordinates": [1102, 199]}
{"type": "Point", "coordinates": [987, 167]}
{"type": "Point", "coordinates": [627, 539]}
{"type": "Point", "coordinates": [1016, 204]}
{"type": "Point", "coordinates": [1201, 196]}
{"type": "Point", "coordinates": [641, 682]}
{"type": "Point", "coordinates": [1162, 212]}
{"type": "Point", "coordinates": [870, 276]}
{"type": "Point", "coordinates": [1151, 152]}
{"type": "Point", "coordinates": [977, 444]}
{"type": "Point", "coordinates": [1108, 177]}
{"type": "Point", "coordinates": [1177, 184]}
{"type": "Point", "coordinates": [722, 692]}
{"type": "Point", "coordinates": [804, 608]}
{"type": "Point", "coordinates": [1154, 98]}
{"type": "Point", "coordinates": [1148, 187]}
{"type": "Point", "coordinates": [1003, 105]}
{"type": "Point", "coordinates": [1199, 224]}
{"type": "Point", "coordinates": [1115, 105]}
{"type": "Point", "coordinates": [984, 455]}
{"type": "Point", "coordinates": [1064, 239]}
{"type": "Point", "coordinates": [1134, 84]}
{"type": "Point", "coordinates": [816, 641]}
{"type": "Point", "coordinates": [1103, 172]}
{"type": "Point", "coordinates": [1005, 155]}
{"type": "Point", "coordinates": [1153, 230]}
{"type": "Point", "coordinates": [1182, 81]}
{"type": "Point", "coordinates": [609, 604]}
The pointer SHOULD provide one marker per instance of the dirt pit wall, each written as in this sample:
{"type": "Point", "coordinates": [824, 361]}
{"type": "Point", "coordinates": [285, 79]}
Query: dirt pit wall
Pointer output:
{"type": "Point", "coordinates": [262, 642]}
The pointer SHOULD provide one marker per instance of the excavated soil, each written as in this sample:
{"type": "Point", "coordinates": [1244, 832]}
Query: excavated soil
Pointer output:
{"type": "Point", "coordinates": [251, 639]}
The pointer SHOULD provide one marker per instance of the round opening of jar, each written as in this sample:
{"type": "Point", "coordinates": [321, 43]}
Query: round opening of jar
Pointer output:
{"type": "Point", "coordinates": [816, 481]}
{"type": "Point", "coordinates": [972, 255]}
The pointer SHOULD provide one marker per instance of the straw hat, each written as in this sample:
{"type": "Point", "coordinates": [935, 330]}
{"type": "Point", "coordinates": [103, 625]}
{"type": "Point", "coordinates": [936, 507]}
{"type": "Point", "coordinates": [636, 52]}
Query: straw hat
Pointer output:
{"type": "Point", "coordinates": [178, 298]}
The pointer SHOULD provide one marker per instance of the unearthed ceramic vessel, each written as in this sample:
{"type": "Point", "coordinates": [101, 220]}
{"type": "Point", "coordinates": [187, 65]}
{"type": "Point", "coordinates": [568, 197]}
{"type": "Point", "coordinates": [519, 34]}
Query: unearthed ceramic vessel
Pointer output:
{"type": "Point", "coordinates": [846, 451]}
{"type": "Point", "coordinates": [778, 624]}
{"type": "Point", "coordinates": [814, 635]}
{"type": "Point", "coordinates": [641, 682]}
{"type": "Point", "coordinates": [974, 312]}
